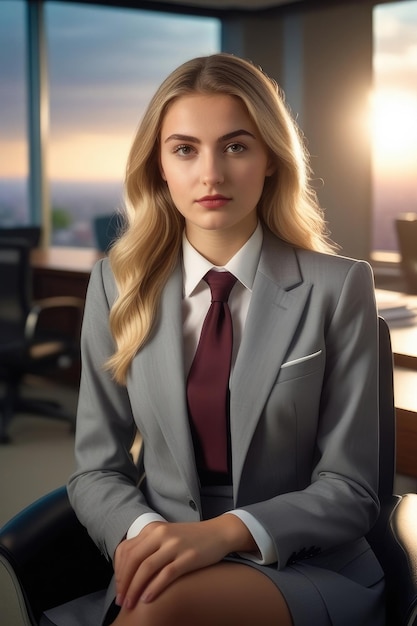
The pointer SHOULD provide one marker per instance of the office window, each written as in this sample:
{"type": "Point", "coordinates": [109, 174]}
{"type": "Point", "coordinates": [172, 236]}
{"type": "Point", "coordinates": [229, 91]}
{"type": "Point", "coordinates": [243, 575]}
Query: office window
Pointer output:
{"type": "Point", "coordinates": [394, 118]}
{"type": "Point", "coordinates": [13, 139]}
{"type": "Point", "coordinates": [104, 64]}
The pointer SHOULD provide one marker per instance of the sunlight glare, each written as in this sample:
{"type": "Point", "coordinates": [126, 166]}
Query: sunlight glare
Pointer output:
{"type": "Point", "coordinates": [394, 128]}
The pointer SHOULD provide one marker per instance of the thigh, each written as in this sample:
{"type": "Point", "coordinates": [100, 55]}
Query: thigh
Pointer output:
{"type": "Point", "coordinates": [226, 594]}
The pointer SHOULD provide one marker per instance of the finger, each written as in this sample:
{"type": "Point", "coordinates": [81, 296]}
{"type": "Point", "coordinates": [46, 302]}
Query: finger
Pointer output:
{"type": "Point", "coordinates": [147, 570]}
{"type": "Point", "coordinates": [169, 573]}
{"type": "Point", "coordinates": [128, 558]}
{"type": "Point", "coordinates": [167, 560]}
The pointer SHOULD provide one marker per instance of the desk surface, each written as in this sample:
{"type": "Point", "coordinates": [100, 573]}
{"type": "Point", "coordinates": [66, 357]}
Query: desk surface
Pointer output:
{"type": "Point", "coordinates": [405, 389]}
{"type": "Point", "coordinates": [400, 312]}
{"type": "Point", "coordinates": [406, 429]}
{"type": "Point", "coordinates": [404, 346]}
{"type": "Point", "coordinates": [73, 260]}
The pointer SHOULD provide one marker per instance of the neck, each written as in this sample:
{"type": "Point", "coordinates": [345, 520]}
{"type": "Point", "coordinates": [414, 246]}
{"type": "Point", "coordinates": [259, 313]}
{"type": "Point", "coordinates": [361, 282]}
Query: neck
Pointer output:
{"type": "Point", "coordinates": [216, 246]}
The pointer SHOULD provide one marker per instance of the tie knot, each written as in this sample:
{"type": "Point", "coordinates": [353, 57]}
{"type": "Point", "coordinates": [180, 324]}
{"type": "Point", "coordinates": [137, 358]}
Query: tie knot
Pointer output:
{"type": "Point", "coordinates": [220, 284]}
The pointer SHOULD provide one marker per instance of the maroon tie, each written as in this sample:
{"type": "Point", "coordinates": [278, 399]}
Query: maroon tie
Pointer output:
{"type": "Point", "coordinates": [208, 383]}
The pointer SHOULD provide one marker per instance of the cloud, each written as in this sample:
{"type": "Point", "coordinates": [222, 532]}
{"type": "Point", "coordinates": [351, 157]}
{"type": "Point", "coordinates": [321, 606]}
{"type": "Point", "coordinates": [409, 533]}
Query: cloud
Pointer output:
{"type": "Point", "coordinates": [395, 57]}
{"type": "Point", "coordinates": [104, 63]}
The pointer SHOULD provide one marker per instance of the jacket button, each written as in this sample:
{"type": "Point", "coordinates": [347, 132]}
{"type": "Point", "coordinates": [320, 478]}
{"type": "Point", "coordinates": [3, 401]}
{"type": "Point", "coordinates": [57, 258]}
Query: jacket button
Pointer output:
{"type": "Point", "coordinates": [193, 505]}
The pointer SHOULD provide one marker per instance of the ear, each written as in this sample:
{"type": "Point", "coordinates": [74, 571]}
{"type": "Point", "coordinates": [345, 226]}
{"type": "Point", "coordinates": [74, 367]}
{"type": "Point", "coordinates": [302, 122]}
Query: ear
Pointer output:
{"type": "Point", "coordinates": [161, 169]}
{"type": "Point", "coordinates": [271, 167]}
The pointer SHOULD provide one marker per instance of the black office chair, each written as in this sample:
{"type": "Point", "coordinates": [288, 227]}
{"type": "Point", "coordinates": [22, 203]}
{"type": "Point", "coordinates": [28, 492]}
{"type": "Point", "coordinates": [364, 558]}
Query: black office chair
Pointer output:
{"type": "Point", "coordinates": [47, 558]}
{"type": "Point", "coordinates": [35, 337]}
{"type": "Point", "coordinates": [406, 227]}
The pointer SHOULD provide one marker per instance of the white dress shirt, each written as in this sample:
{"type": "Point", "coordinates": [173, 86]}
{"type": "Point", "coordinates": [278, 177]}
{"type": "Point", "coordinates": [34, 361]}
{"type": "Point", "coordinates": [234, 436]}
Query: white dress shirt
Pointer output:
{"type": "Point", "coordinates": [195, 304]}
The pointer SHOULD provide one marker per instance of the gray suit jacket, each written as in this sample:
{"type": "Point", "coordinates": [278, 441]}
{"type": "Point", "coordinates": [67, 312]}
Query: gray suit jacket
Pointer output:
{"type": "Point", "coordinates": [304, 414]}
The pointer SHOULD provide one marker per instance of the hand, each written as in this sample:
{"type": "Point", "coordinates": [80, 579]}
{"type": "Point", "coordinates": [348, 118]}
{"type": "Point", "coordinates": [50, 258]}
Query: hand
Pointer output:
{"type": "Point", "coordinates": [162, 552]}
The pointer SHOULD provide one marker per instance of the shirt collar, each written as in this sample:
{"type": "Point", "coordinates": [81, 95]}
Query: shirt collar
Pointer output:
{"type": "Point", "coordinates": [243, 264]}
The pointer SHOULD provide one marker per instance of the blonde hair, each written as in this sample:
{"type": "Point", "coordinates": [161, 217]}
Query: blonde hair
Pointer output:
{"type": "Point", "coordinates": [147, 251]}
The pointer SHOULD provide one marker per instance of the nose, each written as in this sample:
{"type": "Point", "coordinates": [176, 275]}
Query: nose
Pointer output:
{"type": "Point", "coordinates": [211, 170]}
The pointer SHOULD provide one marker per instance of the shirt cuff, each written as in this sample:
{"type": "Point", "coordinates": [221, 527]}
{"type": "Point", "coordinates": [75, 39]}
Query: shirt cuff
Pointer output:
{"type": "Point", "coordinates": [267, 552]}
{"type": "Point", "coordinates": [142, 521]}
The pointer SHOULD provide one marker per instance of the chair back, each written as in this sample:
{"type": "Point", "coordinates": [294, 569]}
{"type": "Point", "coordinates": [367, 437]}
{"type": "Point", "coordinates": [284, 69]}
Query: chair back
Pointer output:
{"type": "Point", "coordinates": [15, 282]}
{"type": "Point", "coordinates": [386, 414]}
{"type": "Point", "coordinates": [15, 272]}
{"type": "Point", "coordinates": [392, 538]}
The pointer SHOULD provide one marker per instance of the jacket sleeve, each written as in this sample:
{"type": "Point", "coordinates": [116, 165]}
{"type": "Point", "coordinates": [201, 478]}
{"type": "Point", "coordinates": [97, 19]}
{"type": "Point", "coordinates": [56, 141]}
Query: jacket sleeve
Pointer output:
{"type": "Point", "coordinates": [103, 489]}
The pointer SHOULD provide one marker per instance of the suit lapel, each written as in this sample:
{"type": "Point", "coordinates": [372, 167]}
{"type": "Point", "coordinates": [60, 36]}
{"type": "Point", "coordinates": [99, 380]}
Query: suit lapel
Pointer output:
{"type": "Point", "coordinates": [278, 300]}
{"type": "Point", "coordinates": [161, 362]}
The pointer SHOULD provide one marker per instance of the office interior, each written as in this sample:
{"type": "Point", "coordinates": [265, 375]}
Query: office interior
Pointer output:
{"type": "Point", "coordinates": [320, 52]}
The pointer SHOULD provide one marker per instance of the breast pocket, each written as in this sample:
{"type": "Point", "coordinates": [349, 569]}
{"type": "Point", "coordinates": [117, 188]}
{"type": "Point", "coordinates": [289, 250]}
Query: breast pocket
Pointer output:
{"type": "Point", "coordinates": [301, 366]}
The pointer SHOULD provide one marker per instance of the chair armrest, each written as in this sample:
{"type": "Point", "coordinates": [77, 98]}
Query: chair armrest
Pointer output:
{"type": "Point", "coordinates": [403, 534]}
{"type": "Point", "coordinates": [397, 552]}
{"type": "Point", "coordinates": [74, 306]}
{"type": "Point", "coordinates": [51, 555]}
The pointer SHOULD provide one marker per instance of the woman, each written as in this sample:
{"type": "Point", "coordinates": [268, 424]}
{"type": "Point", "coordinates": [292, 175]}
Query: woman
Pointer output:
{"type": "Point", "coordinates": [273, 533]}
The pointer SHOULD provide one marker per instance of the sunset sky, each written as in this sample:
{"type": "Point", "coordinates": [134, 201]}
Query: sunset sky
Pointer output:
{"type": "Point", "coordinates": [395, 97]}
{"type": "Point", "coordinates": [104, 64]}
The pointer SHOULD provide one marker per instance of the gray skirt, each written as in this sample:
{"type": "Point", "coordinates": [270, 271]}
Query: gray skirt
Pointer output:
{"type": "Point", "coordinates": [339, 587]}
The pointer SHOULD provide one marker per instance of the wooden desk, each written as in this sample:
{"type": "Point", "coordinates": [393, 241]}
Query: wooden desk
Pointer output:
{"type": "Point", "coordinates": [405, 392]}
{"type": "Point", "coordinates": [62, 271]}
{"type": "Point", "coordinates": [404, 345]}
{"type": "Point", "coordinates": [403, 329]}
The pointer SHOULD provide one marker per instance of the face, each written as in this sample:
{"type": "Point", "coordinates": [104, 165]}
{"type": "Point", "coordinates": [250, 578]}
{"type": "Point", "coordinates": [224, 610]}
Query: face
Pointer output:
{"type": "Point", "coordinates": [214, 163]}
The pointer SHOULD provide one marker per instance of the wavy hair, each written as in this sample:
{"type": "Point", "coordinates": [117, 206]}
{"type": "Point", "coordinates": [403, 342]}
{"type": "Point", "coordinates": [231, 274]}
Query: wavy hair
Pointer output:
{"type": "Point", "coordinates": [148, 249]}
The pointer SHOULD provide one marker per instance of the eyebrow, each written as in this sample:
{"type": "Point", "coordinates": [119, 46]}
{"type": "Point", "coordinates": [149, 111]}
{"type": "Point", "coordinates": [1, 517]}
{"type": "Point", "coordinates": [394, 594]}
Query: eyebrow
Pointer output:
{"type": "Point", "coordinates": [191, 139]}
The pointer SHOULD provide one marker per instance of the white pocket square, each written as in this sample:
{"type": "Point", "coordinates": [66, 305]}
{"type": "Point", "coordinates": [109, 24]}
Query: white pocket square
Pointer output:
{"type": "Point", "coordinates": [301, 359]}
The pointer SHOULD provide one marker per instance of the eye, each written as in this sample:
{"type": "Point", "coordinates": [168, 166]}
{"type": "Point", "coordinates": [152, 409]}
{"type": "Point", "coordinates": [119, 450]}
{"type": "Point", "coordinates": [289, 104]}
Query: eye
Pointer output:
{"type": "Point", "coordinates": [235, 148]}
{"type": "Point", "coordinates": [183, 150]}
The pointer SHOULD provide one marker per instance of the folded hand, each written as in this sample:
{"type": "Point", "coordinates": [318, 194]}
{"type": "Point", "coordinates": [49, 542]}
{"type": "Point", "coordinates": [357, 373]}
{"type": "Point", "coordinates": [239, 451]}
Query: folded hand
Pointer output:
{"type": "Point", "coordinates": [162, 552]}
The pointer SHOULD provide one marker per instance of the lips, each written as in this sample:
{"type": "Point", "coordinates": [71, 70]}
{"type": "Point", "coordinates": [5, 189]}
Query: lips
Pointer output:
{"type": "Point", "coordinates": [213, 202]}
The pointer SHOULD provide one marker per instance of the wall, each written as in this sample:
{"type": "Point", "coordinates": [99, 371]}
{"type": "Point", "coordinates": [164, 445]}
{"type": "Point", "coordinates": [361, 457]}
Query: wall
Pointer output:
{"type": "Point", "coordinates": [323, 60]}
